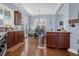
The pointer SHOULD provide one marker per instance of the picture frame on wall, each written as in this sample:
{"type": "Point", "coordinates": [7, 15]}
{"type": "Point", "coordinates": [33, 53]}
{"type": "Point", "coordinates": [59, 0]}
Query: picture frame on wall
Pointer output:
{"type": "Point", "coordinates": [61, 23]}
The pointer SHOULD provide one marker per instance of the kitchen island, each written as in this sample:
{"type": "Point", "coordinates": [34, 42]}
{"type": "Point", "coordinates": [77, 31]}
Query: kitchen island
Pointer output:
{"type": "Point", "coordinates": [59, 40]}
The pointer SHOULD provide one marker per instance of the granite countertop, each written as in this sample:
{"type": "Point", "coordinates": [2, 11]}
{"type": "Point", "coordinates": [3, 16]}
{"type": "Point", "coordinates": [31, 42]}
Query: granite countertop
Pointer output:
{"type": "Point", "coordinates": [60, 31]}
{"type": "Point", "coordinates": [2, 34]}
{"type": "Point", "coordinates": [14, 30]}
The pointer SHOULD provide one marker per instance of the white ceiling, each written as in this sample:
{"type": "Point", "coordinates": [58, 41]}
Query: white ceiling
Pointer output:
{"type": "Point", "coordinates": [45, 8]}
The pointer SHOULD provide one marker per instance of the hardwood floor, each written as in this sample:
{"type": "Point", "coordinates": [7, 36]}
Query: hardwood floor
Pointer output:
{"type": "Point", "coordinates": [30, 48]}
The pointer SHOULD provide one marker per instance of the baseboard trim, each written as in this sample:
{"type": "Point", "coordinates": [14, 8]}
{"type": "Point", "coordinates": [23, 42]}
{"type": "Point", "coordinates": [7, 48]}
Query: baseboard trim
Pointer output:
{"type": "Point", "coordinates": [73, 51]}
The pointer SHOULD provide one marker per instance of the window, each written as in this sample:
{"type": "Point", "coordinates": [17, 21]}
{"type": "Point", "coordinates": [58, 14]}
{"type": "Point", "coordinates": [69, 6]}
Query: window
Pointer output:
{"type": "Point", "coordinates": [42, 23]}
{"type": "Point", "coordinates": [7, 17]}
{"type": "Point", "coordinates": [1, 16]}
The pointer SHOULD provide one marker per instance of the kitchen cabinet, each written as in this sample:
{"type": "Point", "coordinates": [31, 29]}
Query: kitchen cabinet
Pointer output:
{"type": "Point", "coordinates": [51, 39]}
{"type": "Point", "coordinates": [10, 39]}
{"type": "Point", "coordinates": [60, 40]}
{"type": "Point", "coordinates": [63, 39]}
{"type": "Point", "coordinates": [14, 38]}
{"type": "Point", "coordinates": [17, 18]}
{"type": "Point", "coordinates": [21, 36]}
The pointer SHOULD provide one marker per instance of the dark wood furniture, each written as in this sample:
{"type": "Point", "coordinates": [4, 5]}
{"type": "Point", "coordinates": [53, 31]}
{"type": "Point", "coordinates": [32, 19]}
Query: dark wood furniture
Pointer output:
{"type": "Point", "coordinates": [60, 40]}
{"type": "Point", "coordinates": [10, 39]}
{"type": "Point", "coordinates": [63, 40]}
{"type": "Point", "coordinates": [21, 36]}
{"type": "Point", "coordinates": [14, 38]}
{"type": "Point", "coordinates": [17, 18]}
{"type": "Point", "coordinates": [51, 39]}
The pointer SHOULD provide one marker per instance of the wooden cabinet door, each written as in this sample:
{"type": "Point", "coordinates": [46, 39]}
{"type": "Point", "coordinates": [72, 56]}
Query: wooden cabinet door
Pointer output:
{"type": "Point", "coordinates": [63, 40]}
{"type": "Point", "coordinates": [10, 39]}
{"type": "Point", "coordinates": [17, 18]}
{"type": "Point", "coordinates": [51, 40]}
{"type": "Point", "coordinates": [16, 37]}
{"type": "Point", "coordinates": [21, 36]}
